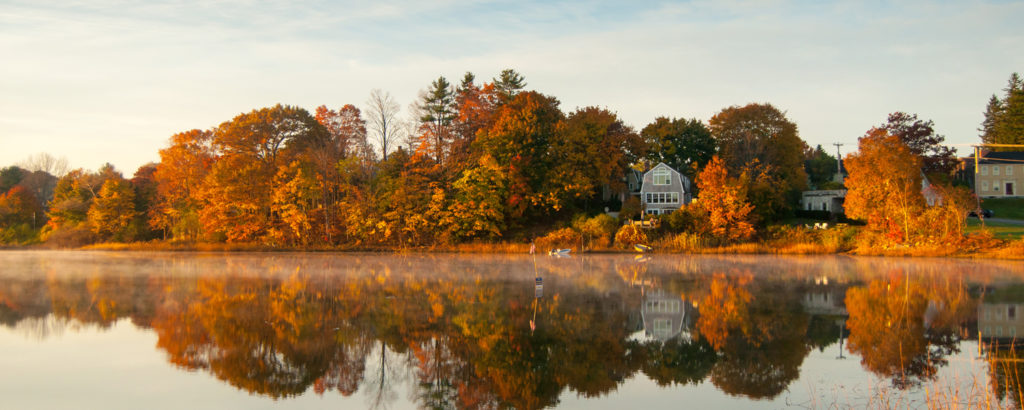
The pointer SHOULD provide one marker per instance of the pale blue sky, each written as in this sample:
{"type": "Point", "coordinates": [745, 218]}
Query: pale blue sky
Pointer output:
{"type": "Point", "coordinates": [110, 81]}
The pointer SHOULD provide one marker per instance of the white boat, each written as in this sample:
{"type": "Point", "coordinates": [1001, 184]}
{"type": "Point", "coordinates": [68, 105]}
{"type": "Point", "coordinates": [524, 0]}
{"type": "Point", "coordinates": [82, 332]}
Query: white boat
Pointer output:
{"type": "Point", "coordinates": [559, 252]}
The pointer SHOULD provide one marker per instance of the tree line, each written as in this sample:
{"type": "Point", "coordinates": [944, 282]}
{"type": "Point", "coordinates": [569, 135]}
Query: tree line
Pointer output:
{"type": "Point", "coordinates": [477, 161]}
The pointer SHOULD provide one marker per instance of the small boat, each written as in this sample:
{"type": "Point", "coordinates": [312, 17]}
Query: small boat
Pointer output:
{"type": "Point", "coordinates": [642, 248]}
{"type": "Point", "coordinates": [559, 252]}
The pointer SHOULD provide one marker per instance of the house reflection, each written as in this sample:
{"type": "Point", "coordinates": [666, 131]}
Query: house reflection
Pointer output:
{"type": "Point", "coordinates": [825, 303]}
{"type": "Point", "coordinates": [1002, 320]}
{"type": "Point", "coordinates": [666, 315]}
{"type": "Point", "coordinates": [999, 324]}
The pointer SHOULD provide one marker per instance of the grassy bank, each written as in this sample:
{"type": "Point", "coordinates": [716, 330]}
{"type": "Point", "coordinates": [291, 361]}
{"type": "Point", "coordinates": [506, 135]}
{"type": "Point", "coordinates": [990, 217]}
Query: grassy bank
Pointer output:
{"type": "Point", "coordinates": [998, 229]}
{"type": "Point", "coordinates": [1011, 208]}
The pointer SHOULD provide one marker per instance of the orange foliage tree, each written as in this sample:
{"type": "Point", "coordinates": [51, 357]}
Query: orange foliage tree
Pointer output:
{"type": "Point", "coordinates": [18, 206]}
{"type": "Point", "coordinates": [179, 176]}
{"type": "Point", "coordinates": [884, 185]}
{"type": "Point", "coordinates": [253, 146]}
{"type": "Point", "coordinates": [724, 201]}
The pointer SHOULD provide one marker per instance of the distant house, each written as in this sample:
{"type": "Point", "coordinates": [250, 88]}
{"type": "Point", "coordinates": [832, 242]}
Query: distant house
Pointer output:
{"type": "Point", "coordinates": [663, 190]}
{"type": "Point", "coordinates": [999, 174]}
{"type": "Point", "coordinates": [830, 200]}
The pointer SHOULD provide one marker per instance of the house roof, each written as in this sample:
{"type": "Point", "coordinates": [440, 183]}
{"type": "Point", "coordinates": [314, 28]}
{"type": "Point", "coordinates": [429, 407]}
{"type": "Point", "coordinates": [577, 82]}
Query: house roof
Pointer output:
{"type": "Point", "coordinates": [1002, 157]}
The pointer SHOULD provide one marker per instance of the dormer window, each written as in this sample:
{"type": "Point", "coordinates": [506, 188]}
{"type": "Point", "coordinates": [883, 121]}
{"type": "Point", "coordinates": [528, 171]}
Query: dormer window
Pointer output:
{"type": "Point", "coordinates": [662, 177]}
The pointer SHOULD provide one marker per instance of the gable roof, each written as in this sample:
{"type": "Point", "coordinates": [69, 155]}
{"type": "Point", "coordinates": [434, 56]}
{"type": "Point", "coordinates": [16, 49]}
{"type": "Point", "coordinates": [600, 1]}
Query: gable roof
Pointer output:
{"type": "Point", "coordinates": [679, 184]}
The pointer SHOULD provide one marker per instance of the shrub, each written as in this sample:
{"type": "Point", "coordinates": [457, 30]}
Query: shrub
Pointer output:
{"type": "Point", "coordinates": [629, 235]}
{"type": "Point", "coordinates": [71, 237]}
{"type": "Point", "coordinates": [20, 234]}
{"type": "Point", "coordinates": [597, 230]}
{"type": "Point", "coordinates": [561, 238]}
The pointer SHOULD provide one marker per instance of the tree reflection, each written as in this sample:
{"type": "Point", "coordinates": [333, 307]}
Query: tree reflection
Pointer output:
{"type": "Point", "coordinates": [759, 330]}
{"type": "Point", "coordinates": [677, 361]}
{"type": "Point", "coordinates": [904, 329]}
{"type": "Point", "coordinates": [463, 340]}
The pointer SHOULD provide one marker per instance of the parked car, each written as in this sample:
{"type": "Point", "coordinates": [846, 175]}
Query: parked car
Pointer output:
{"type": "Point", "coordinates": [987, 213]}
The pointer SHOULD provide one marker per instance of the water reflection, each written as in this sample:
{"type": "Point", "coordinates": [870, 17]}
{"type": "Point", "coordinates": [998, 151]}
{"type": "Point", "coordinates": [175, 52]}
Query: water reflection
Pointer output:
{"type": "Point", "coordinates": [475, 332]}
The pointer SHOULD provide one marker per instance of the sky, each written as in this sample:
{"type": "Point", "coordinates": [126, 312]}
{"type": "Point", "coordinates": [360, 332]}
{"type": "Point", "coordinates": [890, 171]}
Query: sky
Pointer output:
{"type": "Point", "coordinates": [103, 81]}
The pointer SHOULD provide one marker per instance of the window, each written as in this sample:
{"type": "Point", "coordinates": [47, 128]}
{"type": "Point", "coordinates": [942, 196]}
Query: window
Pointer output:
{"type": "Point", "coordinates": [662, 177]}
{"type": "Point", "coordinates": [984, 186]}
{"type": "Point", "coordinates": [824, 206]}
{"type": "Point", "coordinates": [984, 169]}
{"type": "Point", "coordinates": [995, 170]}
{"type": "Point", "coordinates": [649, 195]}
{"type": "Point", "coordinates": [675, 198]}
{"type": "Point", "coordinates": [662, 326]}
{"type": "Point", "coordinates": [1009, 170]}
{"type": "Point", "coordinates": [1011, 312]}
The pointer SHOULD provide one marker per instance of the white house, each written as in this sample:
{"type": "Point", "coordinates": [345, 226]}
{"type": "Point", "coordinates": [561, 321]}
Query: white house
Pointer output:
{"type": "Point", "coordinates": [664, 190]}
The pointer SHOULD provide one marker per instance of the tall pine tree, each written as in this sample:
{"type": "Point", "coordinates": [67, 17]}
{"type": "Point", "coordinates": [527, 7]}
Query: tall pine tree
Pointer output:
{"type": "Point", "coordinates": [1004, 118]}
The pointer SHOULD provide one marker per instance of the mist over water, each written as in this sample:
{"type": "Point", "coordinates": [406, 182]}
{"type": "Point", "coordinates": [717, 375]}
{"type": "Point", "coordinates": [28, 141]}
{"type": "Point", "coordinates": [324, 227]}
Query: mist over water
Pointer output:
{"type": "Point", "coordinates": [303, 330]}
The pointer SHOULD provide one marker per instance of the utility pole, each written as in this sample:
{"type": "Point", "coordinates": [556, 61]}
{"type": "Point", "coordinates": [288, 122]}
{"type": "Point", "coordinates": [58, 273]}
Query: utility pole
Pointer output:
{"type": "Point", "coordinates": [839, 158]}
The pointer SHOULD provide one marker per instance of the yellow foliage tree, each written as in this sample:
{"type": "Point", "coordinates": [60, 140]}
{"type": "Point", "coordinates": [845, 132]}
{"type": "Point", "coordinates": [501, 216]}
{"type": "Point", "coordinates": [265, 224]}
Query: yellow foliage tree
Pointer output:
{"type": "Point", "coordinates": [112, 210]}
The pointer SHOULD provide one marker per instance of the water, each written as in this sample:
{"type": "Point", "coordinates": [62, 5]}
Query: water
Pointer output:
{"type": "Point", "coordinates": [290, 330]}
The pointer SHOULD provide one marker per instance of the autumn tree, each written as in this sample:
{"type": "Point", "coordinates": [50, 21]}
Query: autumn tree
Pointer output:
{"type": "Point", "coordinates": [766, 192]}
{"type": "Point", "coordinates": [685, 145]}
{"type": "Point", "coordinates": [146, 197]}
{"type": "Point", "coordinates": [474, 106]}
{"type": "Point", "coordinates": [18, 206]}
{"type": "Point", "coordinates": [519, 142]}
{"type": "Point", "coordinates": [762, 132]}
{"type": "Point", "coordinates": [113, 210]}
{"type": "Point", "coordinates": [1004, 117]}
{"type": "Point", "coordinates": [408, 199]}
{"type": "Point", "coordinates": [382, 120]}
{"type": "Point", "coordinates": [938, 161]}
{"type": "Point", "coordinates": [179, 176]}
{"type": "Point", "coordinates": [20, 215]}
{"type": "Point", "coordinates": [252, 147]}
{"type": "Point", "coordinates": [724, 201]}
{"type": "Point", "coordinates": [346, 138]}
{"type": "Point", "coordinates": [478, 206]}
{"type": "Point", "coordinates": [592, 148]}
{"type": "Point", "coordinates": [72, 198]}
{"type": "Point", "coordinates": [884, 185]}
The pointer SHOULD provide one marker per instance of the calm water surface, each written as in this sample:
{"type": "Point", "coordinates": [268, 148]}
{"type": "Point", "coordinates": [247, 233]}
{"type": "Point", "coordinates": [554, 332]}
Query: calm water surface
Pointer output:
{"type": "Point", "coordinates": [272, 330]}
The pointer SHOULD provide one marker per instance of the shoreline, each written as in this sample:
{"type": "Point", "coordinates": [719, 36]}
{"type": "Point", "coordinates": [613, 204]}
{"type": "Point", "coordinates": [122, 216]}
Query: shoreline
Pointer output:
{"type": "Point", "coordinates": [1013, 250]}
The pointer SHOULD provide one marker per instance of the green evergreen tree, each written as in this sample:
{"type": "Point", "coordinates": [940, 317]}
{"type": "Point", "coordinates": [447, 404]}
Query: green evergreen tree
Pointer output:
{"type": "Point", "coordinates": [438, 112]}
{"type": "Point", "coordinates": [820, 166]}
{"type": "Point", "coordinates": [1004, 118]}
{"type": "Point", "coordinates": [508, 84]}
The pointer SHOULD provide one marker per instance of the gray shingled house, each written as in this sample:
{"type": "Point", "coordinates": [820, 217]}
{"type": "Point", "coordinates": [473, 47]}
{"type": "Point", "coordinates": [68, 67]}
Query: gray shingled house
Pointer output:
{"type": "Point", "coordinates": [664, 190]}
